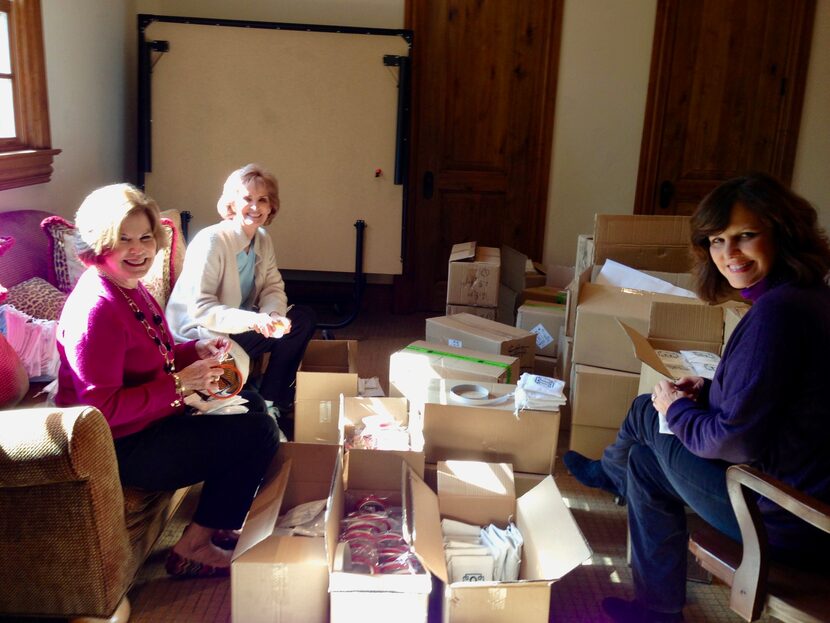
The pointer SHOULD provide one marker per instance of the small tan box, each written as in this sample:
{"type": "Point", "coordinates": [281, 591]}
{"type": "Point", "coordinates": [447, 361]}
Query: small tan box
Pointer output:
{"type": "Point", "coordinates": [473, 275]}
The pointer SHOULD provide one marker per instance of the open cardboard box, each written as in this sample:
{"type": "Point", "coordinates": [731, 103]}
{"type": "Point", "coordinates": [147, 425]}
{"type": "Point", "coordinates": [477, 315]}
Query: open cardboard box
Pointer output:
{"type": "Point", "coordinates": [420, 361]}
{"type": "Point", "coordinates": [378, 598]}
{"type": "Point", "coordinates": [453, 430]}
{"type": "Point", "coordinates": [473, 491]}
{"type": "Point", "coordinates": [675, 327]}
{"type": "Point", "coordinates": [284, 578]}
{"type": "Point", "coordinates": [598, 340]}
{"type": "Point", "coordinates": [473, 275]}
{"type": "Point", "coordinates": [328, 369]}
{"type": "Point", "coordinates": [644, 242]}
{"type": "Point", "coordinates": [354, 409]}
{"type": "Point", "coordinates": [486, 336]}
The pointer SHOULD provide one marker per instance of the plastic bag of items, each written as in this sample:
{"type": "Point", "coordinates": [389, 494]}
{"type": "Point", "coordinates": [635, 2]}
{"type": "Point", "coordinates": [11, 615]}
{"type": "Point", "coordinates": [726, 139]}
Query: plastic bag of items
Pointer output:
{"type": "Point", "coordinates": [476, 554]}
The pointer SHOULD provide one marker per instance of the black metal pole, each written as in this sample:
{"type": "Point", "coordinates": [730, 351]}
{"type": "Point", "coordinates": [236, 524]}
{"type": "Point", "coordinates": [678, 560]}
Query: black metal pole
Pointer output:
{"type": "Point", "coordinates": [359, 283]}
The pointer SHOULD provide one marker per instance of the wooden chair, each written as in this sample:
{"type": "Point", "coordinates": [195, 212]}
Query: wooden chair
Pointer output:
{"type": "Point", "coordinates": [758, 585]}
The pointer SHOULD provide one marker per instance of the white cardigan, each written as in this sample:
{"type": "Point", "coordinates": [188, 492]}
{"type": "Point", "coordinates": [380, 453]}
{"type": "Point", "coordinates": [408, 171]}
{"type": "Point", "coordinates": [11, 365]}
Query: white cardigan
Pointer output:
{"type": "Point", "coordinates": [205, 300]}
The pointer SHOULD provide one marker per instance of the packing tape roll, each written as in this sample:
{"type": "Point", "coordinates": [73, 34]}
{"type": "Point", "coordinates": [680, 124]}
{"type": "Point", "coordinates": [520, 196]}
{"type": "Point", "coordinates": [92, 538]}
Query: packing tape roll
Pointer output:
{"type": "Point", "coordinates": [478, 395]}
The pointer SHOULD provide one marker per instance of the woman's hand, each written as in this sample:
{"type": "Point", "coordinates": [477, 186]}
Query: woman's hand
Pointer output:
{"type": "Point", "coordinates": [271, 325]}
{"type": "Point", "coordinates": [201, 375]}
{"type": "Point", "coordinates": [283, 324]}
{"type": "Point", "coordinates": [215, 347]}
{"type": "Point", "coordinates": [666, 392]}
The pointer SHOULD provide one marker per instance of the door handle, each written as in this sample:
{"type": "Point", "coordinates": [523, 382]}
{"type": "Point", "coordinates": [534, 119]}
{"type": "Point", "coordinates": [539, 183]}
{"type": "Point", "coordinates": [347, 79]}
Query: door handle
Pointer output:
{"type": "Point", "coordinates": [665, 194]}
{"type": "Point", "coordinates": [429, 185]}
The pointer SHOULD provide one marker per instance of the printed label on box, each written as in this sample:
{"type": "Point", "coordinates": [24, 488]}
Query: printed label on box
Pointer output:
{"type": "Point", "coordinates": [455, 343]}
{"type": "Point", "coordinates": [325, 411]}
{"type": "Point", "coordinates": [543, 338]}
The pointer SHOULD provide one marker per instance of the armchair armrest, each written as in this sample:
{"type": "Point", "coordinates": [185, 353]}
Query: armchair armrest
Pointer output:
{"type": "Point", "coordinates": [63, 535]}
{"type": "Point", "coordinates": [749, 584]}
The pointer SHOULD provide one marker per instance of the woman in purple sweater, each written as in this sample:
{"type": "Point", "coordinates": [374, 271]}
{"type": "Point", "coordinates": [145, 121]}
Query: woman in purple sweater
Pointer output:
{"type": "Point", "coordinates": [117, 354]}
{"type": "Point", "coordinates": [766, 405]}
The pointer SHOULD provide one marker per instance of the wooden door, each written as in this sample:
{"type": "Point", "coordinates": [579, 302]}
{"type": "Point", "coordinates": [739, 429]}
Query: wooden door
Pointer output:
{"type": "Point", "coordinates": [483, 95]}
{"type": "Point", "coordinates": [725, 96]}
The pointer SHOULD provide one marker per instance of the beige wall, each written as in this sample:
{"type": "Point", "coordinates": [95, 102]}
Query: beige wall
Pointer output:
{"type": "Point", "coordinates": [89, 77]}
{"type": "Point", "coordinates": [603, 76]}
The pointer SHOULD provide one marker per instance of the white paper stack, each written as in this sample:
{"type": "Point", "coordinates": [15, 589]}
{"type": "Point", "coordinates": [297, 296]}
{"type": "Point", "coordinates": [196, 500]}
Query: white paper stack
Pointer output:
{"type": "Point", "coordinates": [540, 393]}
{"type": "Point", "coordinates": [476, 554]}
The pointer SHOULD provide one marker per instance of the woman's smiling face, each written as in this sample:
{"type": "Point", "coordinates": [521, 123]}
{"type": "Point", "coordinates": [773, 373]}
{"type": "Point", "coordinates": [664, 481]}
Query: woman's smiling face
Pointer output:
{"type": "Point", "coordinates": [744, 252]}
{"type": "Point", "coordinates": [133, 253]}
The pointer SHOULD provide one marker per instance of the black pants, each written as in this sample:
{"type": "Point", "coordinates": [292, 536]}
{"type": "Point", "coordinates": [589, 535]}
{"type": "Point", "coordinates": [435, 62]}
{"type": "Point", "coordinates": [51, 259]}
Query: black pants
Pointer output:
{"type": "Point", "coordinates": [287, 352]}
{"type": "Point", "coordinates": [229, 453]}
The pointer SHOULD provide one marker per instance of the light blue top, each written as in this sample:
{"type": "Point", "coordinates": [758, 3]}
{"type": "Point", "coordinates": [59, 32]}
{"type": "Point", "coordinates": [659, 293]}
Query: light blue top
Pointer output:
{"type": "Point", "coordinates": [245, 261]}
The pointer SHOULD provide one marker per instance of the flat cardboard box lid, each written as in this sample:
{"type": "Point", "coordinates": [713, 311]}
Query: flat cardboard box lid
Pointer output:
{"type": "Point", "coordinates": [513, 268]}
{"type": "Point", "coordinates": [463, 251]}
{"type": "Point", "coordinates": [262, 516]}
{"type": "Point", "coordinates": [425, 527]}
{"type": "Point", "coordinates": [554, 544]}
{"type": "Point", "coordinates": [476, 492]}
{"type": "Point", "coordinates": [644, 351]}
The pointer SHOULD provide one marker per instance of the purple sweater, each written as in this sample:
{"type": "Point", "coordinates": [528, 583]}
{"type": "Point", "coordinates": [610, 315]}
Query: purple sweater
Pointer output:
{"type": "Point", "coordinates": [108, 361]}
{"type": "Point", "coordinates": [767, 404]}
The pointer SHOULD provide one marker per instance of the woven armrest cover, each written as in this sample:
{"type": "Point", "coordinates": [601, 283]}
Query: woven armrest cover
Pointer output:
{"type": "Point", "coordinates": [49, 445]}
{"type": "Point", "coordinates": [64, 546]}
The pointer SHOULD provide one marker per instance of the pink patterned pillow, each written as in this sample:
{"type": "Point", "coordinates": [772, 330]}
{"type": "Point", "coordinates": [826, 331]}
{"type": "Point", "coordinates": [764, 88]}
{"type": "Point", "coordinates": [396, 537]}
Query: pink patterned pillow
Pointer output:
{"type": "Point", "coordinates": [66, 268]}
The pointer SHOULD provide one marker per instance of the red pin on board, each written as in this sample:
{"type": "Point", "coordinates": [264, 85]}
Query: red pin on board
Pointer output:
{"type": "Point", "coordinates": [378, 172]}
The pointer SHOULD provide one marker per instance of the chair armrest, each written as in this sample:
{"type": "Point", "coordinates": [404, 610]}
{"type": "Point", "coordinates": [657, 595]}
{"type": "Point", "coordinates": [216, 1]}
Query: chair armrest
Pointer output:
{"type": "Point", "coordinates": [51, 445]}
{"type": "Point", "coordinates": [749, 584]}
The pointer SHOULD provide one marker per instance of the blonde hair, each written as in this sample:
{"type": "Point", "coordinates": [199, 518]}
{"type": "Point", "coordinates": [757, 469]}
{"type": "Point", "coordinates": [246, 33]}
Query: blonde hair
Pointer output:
{"type": "Point", "coordinates": [240, 179]}
{"type": "Point", "coordinates": [101, 215]}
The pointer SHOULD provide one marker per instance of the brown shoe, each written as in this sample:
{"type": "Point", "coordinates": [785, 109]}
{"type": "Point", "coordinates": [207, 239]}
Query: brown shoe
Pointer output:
{"type": "Point", "coordinates": [180, 567]}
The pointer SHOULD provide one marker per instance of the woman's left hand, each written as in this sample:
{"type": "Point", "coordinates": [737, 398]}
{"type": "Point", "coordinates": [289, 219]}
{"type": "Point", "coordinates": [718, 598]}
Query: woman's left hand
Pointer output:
{"type": "Point", "coordinates": [665, 393]}
{"type": "Point", "coordinates": [212, 347]}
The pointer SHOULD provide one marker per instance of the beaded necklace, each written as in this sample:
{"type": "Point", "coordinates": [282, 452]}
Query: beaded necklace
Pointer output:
{"type": "Point", "coordinates": [162, 342]}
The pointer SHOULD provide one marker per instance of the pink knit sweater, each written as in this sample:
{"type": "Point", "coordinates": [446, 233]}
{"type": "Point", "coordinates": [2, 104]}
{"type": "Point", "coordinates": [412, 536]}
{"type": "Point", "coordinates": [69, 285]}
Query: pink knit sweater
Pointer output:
{"type": "Point", "coordinates": [108, 361]}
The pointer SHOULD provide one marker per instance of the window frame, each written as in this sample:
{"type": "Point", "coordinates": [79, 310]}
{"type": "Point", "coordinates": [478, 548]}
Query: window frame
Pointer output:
{"type": "Point", "coordinates": [27, 158]}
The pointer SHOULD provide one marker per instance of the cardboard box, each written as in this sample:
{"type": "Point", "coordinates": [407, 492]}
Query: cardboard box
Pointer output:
{"type": "Point", "coordinates": [553, 545]}
{"type": "Point", "coordinates": [644, 242]}
{"type": "Point", "coordinates": [284, 578]}
{"type": "Point", "coordinates": [592, 440]}
{"type": "Point", "coordinates": [453, 430]}
{"type": "Point", "coordinates": [473, 275]}
{"type": "Point", "coordinates": [601, 397]}
{"type": "Point", "coordinates": [675, 327]}
{"type": "Point", "coordinates": [599, 341]}
{"type": "Point", "coordinates": [354, 409]}
{"type": "Point", "coordinates": [474, 333]}
{"type": "Point", "coordinates": [415, 364]}
{"type": "Point", "coordinates": [545, 366]}
{"type": "Point", "coordinates": [482, 312]}
{"type": "Point", "coordinates": [328, 369]}
{"type": "Point", "coordinates": [543, 320]}
{"type": "Point", "coordinates": [564, 356]}
{"type": "Point", "coordinates": [377, 598]}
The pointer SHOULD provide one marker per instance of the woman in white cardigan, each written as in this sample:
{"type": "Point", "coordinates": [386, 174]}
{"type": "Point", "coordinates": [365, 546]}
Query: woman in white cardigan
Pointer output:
{"type": "Point", "coordinates": [230, 286]}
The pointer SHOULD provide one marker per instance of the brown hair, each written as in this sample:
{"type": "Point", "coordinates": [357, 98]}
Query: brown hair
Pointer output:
{"type": "Point", "coordinates": [802, 252]}
{"type": "Point", "coordinates": [241, 178]}
{"type": "Point", "coordinates": [101, 215]}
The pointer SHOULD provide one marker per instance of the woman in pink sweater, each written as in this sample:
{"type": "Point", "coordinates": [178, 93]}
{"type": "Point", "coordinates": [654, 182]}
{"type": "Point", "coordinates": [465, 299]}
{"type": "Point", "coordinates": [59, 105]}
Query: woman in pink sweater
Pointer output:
{"type": "Point", "coordinates": [118, 355]}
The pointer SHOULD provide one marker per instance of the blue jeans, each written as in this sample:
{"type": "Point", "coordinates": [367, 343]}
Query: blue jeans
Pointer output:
{"type": "Point", "coordinates": [659, 477]}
